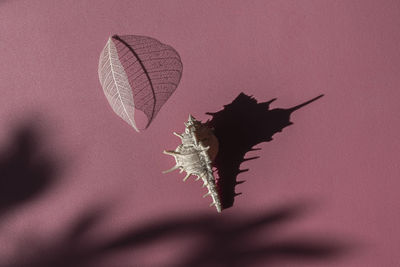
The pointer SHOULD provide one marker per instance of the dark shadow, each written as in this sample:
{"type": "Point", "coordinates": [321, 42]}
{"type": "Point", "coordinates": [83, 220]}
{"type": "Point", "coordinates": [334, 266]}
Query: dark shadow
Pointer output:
{"type": "Point", "coordinates": [240, 126]}
{"type": "Point", "coordinates": [219, 241]}
{"type": "Point", "coordinates": [5, 1]}
{"type": "Point", "coordinates": [71, 251]}
{"type": "Point", "coordinates": [25, 171]}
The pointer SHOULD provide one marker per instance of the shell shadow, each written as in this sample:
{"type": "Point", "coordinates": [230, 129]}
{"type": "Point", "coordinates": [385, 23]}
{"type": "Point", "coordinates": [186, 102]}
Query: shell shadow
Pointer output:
{"type": "Point", "coordinates": [240, 126]}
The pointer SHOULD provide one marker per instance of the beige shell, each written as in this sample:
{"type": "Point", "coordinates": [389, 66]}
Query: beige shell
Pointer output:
{"type": "Point", "coordinates": [194, 156]}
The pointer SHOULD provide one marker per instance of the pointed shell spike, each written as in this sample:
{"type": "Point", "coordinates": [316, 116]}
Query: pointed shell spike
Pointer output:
{"type": "Point", "coordinates": [187, 176]}
{"type": "Point", "coordinates": [212, 204]}
{"type": "Point", "coordinates": [191, 118]}
{"type": "Point", "coordinates": [172, 169]}
{"type": "Point", "coordinates": [171, 152]}
{"type": "Point", "coordinates": [207, 194]}
{"type": "Point", "coordinates": [180, 136]}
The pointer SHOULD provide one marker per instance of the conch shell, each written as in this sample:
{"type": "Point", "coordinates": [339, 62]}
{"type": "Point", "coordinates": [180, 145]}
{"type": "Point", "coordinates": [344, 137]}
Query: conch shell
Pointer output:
{"type": "Point", "coordinates": [194, 156]}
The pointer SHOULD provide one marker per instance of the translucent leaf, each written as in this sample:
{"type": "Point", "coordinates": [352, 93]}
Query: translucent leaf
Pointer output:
{"type": "Point", "coordinates": [138, 73]}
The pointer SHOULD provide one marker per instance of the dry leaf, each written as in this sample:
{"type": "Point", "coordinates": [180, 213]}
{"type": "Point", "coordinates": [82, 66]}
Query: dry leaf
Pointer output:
{"type": "Point", "coordinates": [138, 73]}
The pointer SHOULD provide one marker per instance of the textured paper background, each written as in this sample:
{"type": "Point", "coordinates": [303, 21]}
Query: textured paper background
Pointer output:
{"type": "Point", "coordinates": [338, 162]}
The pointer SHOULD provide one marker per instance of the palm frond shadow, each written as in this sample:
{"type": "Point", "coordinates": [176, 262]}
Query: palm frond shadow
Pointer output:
{"type": "Point", "coordinates": [240, 126]}
{"type": "Point", "coordinates": [25, 171]}
{"type": "Point", "coordinates": [224, 241]}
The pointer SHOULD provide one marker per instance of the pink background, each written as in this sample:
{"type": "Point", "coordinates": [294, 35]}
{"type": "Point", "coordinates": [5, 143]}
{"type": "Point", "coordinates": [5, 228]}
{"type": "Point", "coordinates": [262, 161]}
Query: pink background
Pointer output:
{"type": "Point", "coordinates": [338, 162]}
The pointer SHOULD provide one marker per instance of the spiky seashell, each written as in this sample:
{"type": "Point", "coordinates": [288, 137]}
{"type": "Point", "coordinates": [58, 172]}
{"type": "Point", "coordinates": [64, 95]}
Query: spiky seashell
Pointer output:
{"type": "Point", "coordinates": [194, 156]}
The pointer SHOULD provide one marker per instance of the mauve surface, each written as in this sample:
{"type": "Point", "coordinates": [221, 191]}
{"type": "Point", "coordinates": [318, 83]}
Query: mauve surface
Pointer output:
{"type": "Point", "coordinates": [324, 192]}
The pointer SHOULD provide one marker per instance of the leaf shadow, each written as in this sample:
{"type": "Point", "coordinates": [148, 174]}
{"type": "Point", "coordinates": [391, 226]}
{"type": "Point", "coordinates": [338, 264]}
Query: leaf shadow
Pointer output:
{"type": "Point", "coordinates": [240, 126]}
{"type": "Point", "coordinates": [25, 170]}
{"type": "Point", "coordinates": [235, 243]}
{"type": "Point", "coordinates": [220, 241]}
